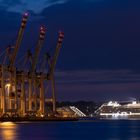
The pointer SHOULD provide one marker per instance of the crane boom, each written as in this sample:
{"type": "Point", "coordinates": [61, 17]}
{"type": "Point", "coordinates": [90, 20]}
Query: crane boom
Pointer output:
{"type": "Point", "coordinates": [54, 60]}
{"type": "Point", "coordinates": [19, 39]}
{"type": "Point", "coordinates": [38, 48]}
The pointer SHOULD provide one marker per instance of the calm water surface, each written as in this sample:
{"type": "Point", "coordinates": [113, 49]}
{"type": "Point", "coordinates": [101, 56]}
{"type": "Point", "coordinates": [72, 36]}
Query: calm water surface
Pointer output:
{"type": "Point", "coordinates": [82, 130]}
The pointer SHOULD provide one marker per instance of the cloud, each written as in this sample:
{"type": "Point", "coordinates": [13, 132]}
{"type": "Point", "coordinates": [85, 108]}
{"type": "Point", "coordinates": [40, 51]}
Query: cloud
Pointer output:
{"type": "Point", "coordinates": [98, 77]}
{"type": "Point", "coordinates": [36, 6]}
{"type": "Point", "coordinates": [97, 85]}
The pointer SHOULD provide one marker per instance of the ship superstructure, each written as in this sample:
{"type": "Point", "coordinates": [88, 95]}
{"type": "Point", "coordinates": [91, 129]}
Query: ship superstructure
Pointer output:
{"type": "Point", "coordinates": [116, 110]}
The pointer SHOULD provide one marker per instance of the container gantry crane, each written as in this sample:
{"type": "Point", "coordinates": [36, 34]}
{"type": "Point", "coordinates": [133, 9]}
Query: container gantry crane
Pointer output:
{"type": "Point", "coordinates": [32, 76]}
{"type": "Point", "coordinates": [20, 89]}
{"type": "Point", "coordinates": [11, 68]}
{"type": "Point", "coordinates": [50, 74]}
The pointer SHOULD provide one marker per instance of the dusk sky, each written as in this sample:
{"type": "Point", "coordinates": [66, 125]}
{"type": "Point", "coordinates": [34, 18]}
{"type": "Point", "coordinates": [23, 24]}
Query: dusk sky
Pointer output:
{"type": "Point", "coordinates": [100, 57]}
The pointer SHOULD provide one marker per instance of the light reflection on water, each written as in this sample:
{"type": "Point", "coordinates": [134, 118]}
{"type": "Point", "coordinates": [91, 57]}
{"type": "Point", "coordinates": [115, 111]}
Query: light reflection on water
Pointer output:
{"type": "Point", "coordinates": [8, 131]}
{"type": "Point", "coordinates": [83, 130]}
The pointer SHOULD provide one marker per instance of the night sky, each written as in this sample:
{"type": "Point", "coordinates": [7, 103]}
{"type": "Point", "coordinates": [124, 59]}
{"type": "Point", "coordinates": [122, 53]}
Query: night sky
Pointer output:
{"type": "Point", "coordinates": [100, 57]}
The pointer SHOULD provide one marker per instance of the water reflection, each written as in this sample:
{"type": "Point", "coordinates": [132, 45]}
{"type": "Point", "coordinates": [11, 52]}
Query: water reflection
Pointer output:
{"type": "Point", "coordinates": [8, 131]}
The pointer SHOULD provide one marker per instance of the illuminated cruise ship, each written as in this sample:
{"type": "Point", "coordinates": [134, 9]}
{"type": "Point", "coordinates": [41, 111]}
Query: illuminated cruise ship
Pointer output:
{"type": "Point", "coordinates": [115, 110]}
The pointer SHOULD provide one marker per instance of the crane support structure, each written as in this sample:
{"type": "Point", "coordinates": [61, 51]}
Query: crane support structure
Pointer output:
{"type": "Point", "coordinates": [13, 59]}
{"type": "Point", "coordinates": [19, 39]}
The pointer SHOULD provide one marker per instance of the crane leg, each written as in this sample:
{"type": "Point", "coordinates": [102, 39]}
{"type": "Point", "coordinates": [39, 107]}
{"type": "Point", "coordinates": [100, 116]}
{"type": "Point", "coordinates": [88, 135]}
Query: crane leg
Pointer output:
{"type": "Point", "coordinates": [42, 100]}
{"type": "Point", "coordinates": [3, 90]}
{"type": "Point", "coordinates": [35, 95]}
{"type": "Point", "coordinates": [15, 90]}
{"type": "Point", "coordinates": [30, 95]}
{"type": "Point", "coordinates": [53, 94]}
{"type": "Point", "coordinates": [23, 107]}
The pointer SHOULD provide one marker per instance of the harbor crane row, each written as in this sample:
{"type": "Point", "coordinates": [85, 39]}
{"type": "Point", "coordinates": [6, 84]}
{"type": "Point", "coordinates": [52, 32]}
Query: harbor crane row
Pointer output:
{"type": "Point", "coordinates": [22, 92]}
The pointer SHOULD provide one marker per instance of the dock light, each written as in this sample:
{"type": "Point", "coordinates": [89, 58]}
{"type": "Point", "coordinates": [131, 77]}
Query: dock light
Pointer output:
{"type": "Point", "coordinates": [42, 115]}
{"type": "Point", "coordinates": [7, 85]}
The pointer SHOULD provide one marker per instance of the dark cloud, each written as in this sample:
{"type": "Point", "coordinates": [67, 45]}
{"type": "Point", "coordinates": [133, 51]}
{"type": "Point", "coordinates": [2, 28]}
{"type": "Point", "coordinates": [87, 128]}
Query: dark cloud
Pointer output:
{"type": "Point", "coordinates": [97, 85]}
{"type": "Point", "coordinates": [97, 77]}
{"type": "Point", "coordinates": [19, 6]}
{"type": "Point", "coordinates": [103, 92]}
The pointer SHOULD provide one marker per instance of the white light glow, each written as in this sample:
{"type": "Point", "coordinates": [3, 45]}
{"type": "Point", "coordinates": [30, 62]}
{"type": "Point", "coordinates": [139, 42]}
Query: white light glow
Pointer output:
{"type": "Point", "coordinates": [7, 85]}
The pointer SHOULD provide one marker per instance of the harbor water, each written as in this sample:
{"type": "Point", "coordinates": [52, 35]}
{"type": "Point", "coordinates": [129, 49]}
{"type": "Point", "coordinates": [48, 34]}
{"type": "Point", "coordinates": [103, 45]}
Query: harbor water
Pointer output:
{"type": "Point", "coordinates": [80, 130]}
